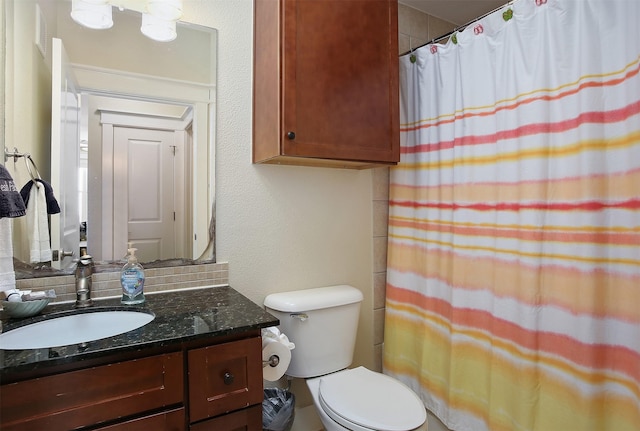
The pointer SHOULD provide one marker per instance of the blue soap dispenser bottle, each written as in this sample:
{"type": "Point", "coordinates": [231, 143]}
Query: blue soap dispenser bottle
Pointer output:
{"type": "Point", "coordinates": [132, 280]}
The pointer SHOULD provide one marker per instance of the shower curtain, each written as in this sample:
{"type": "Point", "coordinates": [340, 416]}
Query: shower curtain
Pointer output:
{"type": "Point", "coordinates": [513, 279]}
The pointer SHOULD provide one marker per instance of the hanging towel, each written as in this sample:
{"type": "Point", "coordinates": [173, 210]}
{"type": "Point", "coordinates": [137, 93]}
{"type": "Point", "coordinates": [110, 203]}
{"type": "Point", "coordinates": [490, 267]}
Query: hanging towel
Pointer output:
{"type": "Point", "coordinates": [7, 274]}
{"type": "Point", "coordinates": [38, 226]}
{"type": "Point", "coordinates": [11, 203]}
{"type": "Point", "coordinates": [52, 203]}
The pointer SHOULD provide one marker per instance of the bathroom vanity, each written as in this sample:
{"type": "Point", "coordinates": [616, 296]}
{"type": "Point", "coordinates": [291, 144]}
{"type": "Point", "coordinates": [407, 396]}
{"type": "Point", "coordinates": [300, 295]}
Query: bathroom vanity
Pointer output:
{"type": "Point", "coordinates": [197, 366]}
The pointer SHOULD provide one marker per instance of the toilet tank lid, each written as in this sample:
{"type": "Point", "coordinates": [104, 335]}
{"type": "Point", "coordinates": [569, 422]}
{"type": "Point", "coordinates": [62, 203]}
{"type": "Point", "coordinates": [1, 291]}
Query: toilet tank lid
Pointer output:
{"type": "Point", "coordinates": [313, 299]}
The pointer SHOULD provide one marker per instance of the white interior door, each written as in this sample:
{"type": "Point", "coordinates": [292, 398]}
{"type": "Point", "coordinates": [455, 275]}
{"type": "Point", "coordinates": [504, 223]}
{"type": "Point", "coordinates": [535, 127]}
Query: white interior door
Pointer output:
{"type": "Point", "coordinates": [144, 191]}
{"type": "Point", "coordinates": [65, 149]}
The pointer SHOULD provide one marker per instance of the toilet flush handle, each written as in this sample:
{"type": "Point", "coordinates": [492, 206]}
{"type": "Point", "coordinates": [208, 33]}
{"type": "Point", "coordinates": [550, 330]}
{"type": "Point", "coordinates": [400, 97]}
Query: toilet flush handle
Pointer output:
{"type": "Point", "coordinates": [301, 316]}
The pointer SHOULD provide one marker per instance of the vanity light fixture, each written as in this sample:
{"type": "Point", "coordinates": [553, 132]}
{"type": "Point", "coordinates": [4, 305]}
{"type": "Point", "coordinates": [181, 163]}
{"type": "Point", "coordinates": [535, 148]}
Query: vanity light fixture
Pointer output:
{"type": "Point", "coordinates": [94, 14]}
{"type": "Point", "coordinates": [158, 16]}
{"type": "Point", "coordinates": [162, 30]}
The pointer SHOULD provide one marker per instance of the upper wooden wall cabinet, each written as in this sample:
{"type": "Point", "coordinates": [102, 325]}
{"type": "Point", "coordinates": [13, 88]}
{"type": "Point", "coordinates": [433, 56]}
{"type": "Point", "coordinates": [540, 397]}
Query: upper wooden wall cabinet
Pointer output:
{"type": "Point", "coordinates": [326, 83]}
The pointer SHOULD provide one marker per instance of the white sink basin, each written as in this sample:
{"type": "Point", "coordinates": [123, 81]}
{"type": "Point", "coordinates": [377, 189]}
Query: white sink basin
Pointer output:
{"type": "Point", "coordinates": [73, 329]}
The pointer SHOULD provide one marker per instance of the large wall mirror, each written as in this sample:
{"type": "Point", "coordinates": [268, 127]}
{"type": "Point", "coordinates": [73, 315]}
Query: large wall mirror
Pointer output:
{"type": "Point", "coordinates": [129, 122]}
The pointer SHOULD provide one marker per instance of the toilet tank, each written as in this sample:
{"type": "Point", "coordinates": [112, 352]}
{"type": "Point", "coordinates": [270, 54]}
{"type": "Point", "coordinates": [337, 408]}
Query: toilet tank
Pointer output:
{"type": "Point", "coordinates": [322, 322]}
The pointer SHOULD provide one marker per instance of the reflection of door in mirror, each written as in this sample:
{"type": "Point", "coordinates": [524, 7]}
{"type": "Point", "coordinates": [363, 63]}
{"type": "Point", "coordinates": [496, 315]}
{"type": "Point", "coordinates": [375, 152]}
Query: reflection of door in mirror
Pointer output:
{"type": "Point", "coordinates": [148, 157]}
{"type": "Point", "coordinates": [147, 176]}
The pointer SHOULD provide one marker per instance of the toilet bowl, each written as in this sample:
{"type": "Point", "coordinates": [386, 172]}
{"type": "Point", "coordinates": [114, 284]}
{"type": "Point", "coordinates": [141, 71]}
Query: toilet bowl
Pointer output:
{"type": "Point", "coordinates": [322, 323]}
{"type": "Point", "coordinates": [362, 400]}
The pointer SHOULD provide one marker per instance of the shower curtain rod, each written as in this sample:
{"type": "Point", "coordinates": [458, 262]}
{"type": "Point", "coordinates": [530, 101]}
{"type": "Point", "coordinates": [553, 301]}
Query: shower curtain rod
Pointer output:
{"type": "Point", "coordinates": [463, 26]}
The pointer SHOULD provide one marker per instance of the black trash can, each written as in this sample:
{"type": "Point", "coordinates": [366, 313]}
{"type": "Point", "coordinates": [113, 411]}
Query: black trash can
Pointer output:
{"type": "Point", "coordinates": [278, 409]}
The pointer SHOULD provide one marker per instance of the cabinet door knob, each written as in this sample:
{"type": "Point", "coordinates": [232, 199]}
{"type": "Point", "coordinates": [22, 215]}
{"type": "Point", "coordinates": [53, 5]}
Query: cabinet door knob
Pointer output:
{"type": "Point", "coordinates": [228, 378]}
{"type": "Point", "coordinates": [291, 135]}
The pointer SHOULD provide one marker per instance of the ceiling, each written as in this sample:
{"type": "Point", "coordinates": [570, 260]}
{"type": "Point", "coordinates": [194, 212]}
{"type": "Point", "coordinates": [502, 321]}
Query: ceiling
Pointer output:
{"type": "Point", "coordinates": [458, 12]}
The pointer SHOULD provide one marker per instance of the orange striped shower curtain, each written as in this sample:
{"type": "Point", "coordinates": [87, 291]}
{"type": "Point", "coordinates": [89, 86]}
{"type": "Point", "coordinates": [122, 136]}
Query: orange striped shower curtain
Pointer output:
{"type": "Point", "coordinates": [513, 281]}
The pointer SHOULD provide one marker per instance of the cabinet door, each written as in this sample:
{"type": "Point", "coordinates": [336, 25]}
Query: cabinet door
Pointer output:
{"type": "Point", "coordinates": [224, 377]}
{"type": "Point", "coordinates": [340, 81]}
{"type": "Point", "coordinates": [173, 420]}
{"type": "Point", "coordinates": [93, 395]}
{"type": "Point", "coordinates": [249, 419]}
{"type": "Point", "coordinates": [337, 68]}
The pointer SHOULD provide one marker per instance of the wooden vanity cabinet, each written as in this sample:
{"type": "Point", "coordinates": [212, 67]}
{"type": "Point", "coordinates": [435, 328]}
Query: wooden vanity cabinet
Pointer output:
{"type": "Point", "coordinates": [326, 83]}
{"type": "Point", "coordinates": [201, 387]}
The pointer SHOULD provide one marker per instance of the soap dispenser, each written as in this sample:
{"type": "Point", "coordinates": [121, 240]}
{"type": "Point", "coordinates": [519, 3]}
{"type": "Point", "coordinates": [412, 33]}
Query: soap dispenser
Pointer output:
{"type": "Point", "coordinates": [132, 280]}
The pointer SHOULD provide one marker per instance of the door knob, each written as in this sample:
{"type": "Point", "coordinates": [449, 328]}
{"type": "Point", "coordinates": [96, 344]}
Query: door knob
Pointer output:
{"type": "Point", "coordinates": [61, 254]}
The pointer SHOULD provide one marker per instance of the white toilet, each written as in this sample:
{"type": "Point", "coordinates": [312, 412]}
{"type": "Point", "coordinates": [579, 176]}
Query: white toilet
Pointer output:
{"type": "Point", "coordinates": [322, 323]}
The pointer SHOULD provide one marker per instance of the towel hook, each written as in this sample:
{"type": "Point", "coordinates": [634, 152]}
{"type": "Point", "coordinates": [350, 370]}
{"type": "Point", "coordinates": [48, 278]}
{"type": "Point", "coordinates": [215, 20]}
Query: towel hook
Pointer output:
{"type": "Point", "coordinates": [15, 154]}
{"type": "Point", "coordinates": [26, 162]}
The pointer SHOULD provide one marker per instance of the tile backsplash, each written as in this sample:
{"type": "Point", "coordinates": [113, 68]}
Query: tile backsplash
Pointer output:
{"type": "Point", "coordinates": [106, 284]}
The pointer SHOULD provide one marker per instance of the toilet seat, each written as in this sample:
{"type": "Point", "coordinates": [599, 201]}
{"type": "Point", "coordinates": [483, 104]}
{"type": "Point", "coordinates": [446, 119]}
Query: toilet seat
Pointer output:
{"type": "Point", "coordinates": [363, 400]}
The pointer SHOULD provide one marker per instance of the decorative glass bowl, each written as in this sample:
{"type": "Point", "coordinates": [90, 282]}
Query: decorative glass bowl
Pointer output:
{"type": "Point", "coordinates": [25, 308]}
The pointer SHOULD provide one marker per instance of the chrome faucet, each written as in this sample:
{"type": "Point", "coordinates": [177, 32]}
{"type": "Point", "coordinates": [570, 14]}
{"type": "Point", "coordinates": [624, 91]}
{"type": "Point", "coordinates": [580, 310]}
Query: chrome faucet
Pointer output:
{"type": "Point", "coordinates": [84, 270]}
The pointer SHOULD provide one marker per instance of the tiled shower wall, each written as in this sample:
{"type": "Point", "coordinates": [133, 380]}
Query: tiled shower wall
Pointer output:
{"type": "Point", "coordinates": [415, 28]}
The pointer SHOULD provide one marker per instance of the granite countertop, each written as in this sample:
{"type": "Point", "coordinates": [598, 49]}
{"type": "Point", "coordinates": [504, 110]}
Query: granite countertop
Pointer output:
{"type": "Point", "coordinates": [180, 316]}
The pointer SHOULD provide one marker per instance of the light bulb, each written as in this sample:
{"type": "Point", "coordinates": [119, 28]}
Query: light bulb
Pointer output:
{"type": "Point", "coordinates": [94, 14]}
{"type": "Point", "coordinates": [158, 29]}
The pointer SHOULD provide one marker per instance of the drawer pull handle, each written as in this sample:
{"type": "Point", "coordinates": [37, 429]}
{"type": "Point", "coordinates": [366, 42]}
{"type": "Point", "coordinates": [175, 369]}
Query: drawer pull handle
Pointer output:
{"type": "Point", "coordinates": [228, 378]}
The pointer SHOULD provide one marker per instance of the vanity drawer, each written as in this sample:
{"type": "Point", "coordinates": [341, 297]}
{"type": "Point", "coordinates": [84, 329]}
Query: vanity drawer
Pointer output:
{"type": "Point", "coordinates": [93, 395]}
{"type": "Point", "coordinates": [249, 419]}
{"type": "Point", "coordinates": [224, 377]}
{"type": "Point", "coordinates": [172, 420]}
